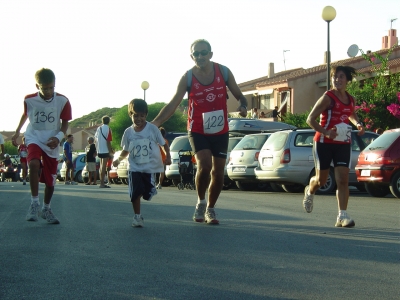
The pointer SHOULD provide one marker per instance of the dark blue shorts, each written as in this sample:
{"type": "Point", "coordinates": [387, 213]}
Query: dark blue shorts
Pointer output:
{"type": "Point", "coordinates": [141, 185]}
{"type": "Point", "coordinates": [218, 144]}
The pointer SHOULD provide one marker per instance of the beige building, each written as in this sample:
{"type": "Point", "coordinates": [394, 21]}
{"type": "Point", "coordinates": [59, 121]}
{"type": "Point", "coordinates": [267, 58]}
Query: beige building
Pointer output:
{"type": "Point", "coordinates": [297, 90]}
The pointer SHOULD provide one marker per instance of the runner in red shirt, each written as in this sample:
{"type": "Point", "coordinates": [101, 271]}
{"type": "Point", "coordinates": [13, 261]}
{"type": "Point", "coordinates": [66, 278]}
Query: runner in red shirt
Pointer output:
{"type": "Point", "coordinates": [207, 123]}
{"type": "Point", "coordinates": [332, 141]}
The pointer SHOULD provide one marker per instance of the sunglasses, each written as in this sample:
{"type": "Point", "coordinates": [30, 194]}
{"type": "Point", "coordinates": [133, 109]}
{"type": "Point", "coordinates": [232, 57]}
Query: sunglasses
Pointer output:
{"type": "Point", "coordinates": [202, 52]}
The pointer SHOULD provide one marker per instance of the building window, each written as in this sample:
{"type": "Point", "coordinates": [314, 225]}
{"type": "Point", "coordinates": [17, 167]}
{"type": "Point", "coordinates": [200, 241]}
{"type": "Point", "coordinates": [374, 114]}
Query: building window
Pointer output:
{"type": "Point", "coordinates": [265, 101]}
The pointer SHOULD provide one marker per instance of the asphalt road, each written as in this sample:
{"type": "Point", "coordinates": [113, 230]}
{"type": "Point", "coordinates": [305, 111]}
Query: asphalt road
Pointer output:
{"type": "Point", "coordinates": [266, 247]}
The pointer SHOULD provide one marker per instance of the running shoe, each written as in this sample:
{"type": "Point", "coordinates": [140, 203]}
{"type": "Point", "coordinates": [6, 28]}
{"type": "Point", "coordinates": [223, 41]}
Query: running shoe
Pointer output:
{"type": "Point", "coordinates": [137, 221]}
{"type": "Point", "coordinates": [344, 221]}
{"type": "Point", "coordinates": [67, 183]}
{"type": "Point", "coordinates": [308, 200]}
{"type": "Point", "coordinates": [33, 212]}
{"type": "Point", "coordinates": [73, 183]}
{"type": "Point", "coordinates": [199, 212]}
{"type": "Point", "coordinates": [159, 187]}
{"type": "Point", "coordinates": [48, 215]}
{"type": "Point", "coordinates": [210, 216]}
{"type": "Point", "coordinates": [24, 182]}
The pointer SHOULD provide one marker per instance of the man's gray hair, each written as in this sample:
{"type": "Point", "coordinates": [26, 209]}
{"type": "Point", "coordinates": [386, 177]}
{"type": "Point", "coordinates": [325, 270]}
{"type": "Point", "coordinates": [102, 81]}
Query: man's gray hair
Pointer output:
{"type": "Point", "coordinates": [90, 139]}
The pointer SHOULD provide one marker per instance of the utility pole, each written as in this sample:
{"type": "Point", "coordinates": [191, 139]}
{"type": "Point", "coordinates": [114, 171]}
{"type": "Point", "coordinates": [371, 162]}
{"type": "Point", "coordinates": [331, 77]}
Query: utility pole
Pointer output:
{"type": "Point", "coordinates": [284, 63]}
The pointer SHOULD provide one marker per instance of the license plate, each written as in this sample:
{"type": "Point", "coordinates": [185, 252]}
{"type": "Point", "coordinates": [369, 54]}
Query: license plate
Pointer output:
{"type": "Point", "coordinates": [267, 162]}
{"type": "Point", "coordinates": [239, 169]}
{"type": "Point", "coordinates": [365, 172]}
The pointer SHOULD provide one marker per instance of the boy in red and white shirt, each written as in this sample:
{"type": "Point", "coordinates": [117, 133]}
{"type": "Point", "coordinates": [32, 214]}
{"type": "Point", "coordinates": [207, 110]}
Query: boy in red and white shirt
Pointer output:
{"type": "Point", "coordinates": [48, 113]}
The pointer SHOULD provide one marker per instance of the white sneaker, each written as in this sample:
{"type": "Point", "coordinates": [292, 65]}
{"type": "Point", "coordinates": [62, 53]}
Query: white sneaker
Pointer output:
{"type": "Point", "coordinates": [209, 216]}
{"type": "Point", "coordinates": [344, 221]}
{"type": "Point", "coordinates": [48, 215]}
{"type": "Point", "coordinates": [137, 221]}
{"type": "Point", "coordinates": [67, 183]}
{"type": "Point", "coordinates": [308, 200]}
{"type": "Point", "coordinates": [33, 212]}
{"type": "Point", "coordinates": [73, 183]}
{"type": "Point", "coordinates": [159, 187]}
{"type": "Point", "coordinates": [199, 211]}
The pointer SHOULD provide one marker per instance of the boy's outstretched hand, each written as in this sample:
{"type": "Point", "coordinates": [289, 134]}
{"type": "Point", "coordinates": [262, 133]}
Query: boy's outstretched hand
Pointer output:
{"type": "Point", "coordinates": [53, 142]}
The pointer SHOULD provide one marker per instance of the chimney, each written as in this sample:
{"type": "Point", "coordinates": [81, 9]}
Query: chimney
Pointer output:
{"type": "Point", "coordinates": [390, 40]}
{"type": "Point", "coordinates": [271, 72]}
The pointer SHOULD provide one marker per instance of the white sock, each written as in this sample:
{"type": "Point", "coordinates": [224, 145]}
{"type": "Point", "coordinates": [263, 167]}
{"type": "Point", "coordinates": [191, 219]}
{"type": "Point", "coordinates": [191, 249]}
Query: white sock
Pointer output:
{"type": "Point", "coordinates": [203, 201]}
{"type": "Point", "coordinates": [137, 216]}
{"type": "Point", "coordinates": [342, 213]}
{"type": "Point", "coordinates": [46, 206]}
{"type": "Point", "coordinates": [35, 200]}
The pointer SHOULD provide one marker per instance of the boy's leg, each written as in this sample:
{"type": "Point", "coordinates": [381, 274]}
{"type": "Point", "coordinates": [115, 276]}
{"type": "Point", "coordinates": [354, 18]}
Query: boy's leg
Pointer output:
{"type": "Point", "coordinates": [103, 167]}
{"type": "Point", "coordinates": [35, 153]}
{"type": "Point", "coordinates": [48, 177]}
{"type": "Point", "coordinates": [34, 166]}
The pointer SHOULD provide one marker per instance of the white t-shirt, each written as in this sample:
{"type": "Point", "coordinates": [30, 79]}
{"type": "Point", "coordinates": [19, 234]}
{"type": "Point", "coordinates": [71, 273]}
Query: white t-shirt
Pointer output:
{"type": "Point", "coordinates": [144, 153]}
{"type": "Point", "coordinates": [44, 120]}
{"type": "Point", "coordinates": [103, 134]}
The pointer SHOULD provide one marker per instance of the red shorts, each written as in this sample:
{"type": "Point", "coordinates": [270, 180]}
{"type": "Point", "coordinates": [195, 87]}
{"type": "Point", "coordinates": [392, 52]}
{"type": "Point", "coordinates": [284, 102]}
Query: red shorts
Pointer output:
{"type": "Point", "coordinates": [48, 174]}
{"type": "Point", "coordinates": [23, 160]}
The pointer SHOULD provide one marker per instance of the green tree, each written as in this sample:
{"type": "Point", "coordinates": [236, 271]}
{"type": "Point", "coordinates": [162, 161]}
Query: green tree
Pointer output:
{"type": "Point", "coordinates": [298, 120]}
{"type": "Point", "coordinates": [121, 121]}
{"type": "Point", "coordinates": [377, 97]}
{"type": "Point", "coordinates": [9, 148]}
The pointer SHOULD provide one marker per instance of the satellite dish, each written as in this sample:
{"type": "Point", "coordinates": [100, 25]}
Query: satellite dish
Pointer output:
{"type": "Point", "coordinates": [352, 51]}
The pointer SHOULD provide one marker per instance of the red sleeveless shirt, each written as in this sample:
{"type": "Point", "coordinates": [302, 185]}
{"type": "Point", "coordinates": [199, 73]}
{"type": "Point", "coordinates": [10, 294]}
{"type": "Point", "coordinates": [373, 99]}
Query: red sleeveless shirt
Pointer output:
{"type": "Point", "coordinates": [207, 108]}
{"type": "Point", "coordinates": [337, 113]}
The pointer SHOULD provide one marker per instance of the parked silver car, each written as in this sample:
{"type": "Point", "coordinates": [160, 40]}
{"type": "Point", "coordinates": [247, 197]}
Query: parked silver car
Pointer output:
{"type": "Point", "coordinates": [244, 159]}
{"type": "Point", "coordinates": [286, 158]}
{"type": "Point", "coordinates": [233, 141]}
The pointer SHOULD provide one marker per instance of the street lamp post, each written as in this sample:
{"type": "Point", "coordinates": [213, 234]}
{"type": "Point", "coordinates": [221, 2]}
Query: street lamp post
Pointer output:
{"type": "Point", "coordinates": [284, 63]}
{"type": "Point", "coordinates": [145, 85]}
{"type": "Point", "coordinates": [328, 14]}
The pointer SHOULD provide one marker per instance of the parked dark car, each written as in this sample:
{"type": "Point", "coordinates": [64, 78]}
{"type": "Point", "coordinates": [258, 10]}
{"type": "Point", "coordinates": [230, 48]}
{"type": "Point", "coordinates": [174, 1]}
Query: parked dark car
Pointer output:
{"type": "Point", "coordinates": [378, 165]}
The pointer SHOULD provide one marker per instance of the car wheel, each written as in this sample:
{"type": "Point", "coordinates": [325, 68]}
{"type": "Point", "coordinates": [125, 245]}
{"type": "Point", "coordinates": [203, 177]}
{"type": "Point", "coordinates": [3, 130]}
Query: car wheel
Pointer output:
{"type": "Point", "coordinates": [395, 185]}
{"type": "Point", "coordinates": [166, 182]}
{"type": "Point", "coordinates": [78, 177]}
{"type": "Point", "coordinates": [59, 178]}
{"type": "Point", "coordinates": [246, 186]}
{"type": "Point", "coordinates": [330, 184]}
{"type": "Point", "coordinates": [227, 184]}
{"type": "Point", "coordinates": [377, 190]}
{"type": "Point", "coordinates": [117, 181]}
{"type": "Point", "coordinates": [110, 180]}
{"type": "Point", "coordinates": [361, 188]}
{"type": "Point", "coordinates": [293, 188]}
{"type": "Point", "coordinates": [276, 187]}
{"type": "Point", "coordinates": [125, 181]}
{"type": "Point", "coordinates": [176, 182]}
{"type": "Point", "coordinates": [3, 177]}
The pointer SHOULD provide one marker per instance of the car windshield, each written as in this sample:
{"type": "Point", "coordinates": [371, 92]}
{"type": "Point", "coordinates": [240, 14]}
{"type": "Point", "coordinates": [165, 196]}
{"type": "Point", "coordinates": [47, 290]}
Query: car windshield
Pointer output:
{"type": "Point", "coordinates": [180, 144]}
{"type": "Point", "coordinates": [276, 141]}
{"type": "Point", "coordinates": [384, 141]}
{"type": "Point", "coordinates": [252, 142]}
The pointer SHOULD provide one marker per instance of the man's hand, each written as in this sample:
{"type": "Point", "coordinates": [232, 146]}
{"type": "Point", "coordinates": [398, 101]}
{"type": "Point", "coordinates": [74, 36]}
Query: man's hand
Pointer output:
{"type": "Point", "coordinates": [53, 142]}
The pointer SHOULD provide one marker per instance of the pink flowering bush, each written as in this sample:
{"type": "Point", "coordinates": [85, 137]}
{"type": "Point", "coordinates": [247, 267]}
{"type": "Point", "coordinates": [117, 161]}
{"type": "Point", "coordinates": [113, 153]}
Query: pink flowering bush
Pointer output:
{"type": "Point", "coordinates": [378, 98]}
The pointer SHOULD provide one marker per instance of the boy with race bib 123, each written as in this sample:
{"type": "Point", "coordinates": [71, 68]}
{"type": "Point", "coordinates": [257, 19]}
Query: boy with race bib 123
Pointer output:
{"type": "Point", "coordinates": [141, 142]}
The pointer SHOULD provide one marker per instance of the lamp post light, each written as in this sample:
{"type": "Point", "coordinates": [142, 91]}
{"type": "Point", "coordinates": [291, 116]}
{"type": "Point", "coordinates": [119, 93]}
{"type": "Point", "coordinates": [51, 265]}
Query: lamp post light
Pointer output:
{"type": "Point", "coordinates": [145, 85]}
{"type": "Point", "coordinates": [328, 14]}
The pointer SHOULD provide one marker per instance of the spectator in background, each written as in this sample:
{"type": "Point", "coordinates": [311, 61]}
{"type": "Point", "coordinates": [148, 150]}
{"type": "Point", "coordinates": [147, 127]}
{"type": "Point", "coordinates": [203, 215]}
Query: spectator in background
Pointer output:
{"type": "Point", "coordinates": [69, 174]}
{"type": "Point", "coordinates": [23, 154]}
{"type": "Point", "coordinates": [262, 115]}
{"type": "Point", "coordinates": [2, 145]}
{"type": "Point", "coordinates": [109, 164]}
{"type": "Point", "coordinates": [91, 161]}
{"type": "Point", "coordinates": [163, 157]}
{"type": "Point", "coordinates": [103, 138]}
{"type": "Point", "coordinates": [254, 115]}
{"type": "Point", "coordinates": [379, 131]}
{"type": "Point", "coordinates": [275, 114]}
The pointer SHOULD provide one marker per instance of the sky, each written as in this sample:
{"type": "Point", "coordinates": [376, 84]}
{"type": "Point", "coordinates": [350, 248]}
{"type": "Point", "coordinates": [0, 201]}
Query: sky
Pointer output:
{"type": "Point", "coordinates": [102, 50]}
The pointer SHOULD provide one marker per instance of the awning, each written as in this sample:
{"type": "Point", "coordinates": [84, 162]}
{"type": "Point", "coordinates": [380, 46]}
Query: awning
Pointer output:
{"type": "Point", "coordinates": [265, 92]}
{"type": "Point", "coordinates": [250, 92]}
